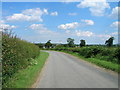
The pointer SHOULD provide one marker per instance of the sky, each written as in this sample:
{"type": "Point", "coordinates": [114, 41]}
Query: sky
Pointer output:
{"type": "Point", "coordinates": [39, 22]}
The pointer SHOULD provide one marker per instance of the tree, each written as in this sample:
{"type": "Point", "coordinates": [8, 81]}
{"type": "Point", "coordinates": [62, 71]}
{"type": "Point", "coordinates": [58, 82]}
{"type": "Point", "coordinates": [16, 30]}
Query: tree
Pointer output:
{"type": "Point", "coordinates": [109, 42]}
{"type": "Point", "coordinates": [70, 42]}
{"type": "Point", "coordinates": [48, 44]}
{"type": "Point", "coordinates": [40, 45]}
{"type": "Point", "coordinates": [82, 43]}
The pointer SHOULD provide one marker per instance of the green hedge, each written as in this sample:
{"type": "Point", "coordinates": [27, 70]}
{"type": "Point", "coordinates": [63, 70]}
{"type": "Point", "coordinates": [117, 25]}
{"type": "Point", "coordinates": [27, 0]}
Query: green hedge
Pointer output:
{"type": "Point", "coordinates": [111, 54]}
{"type": "Point", "coordinates": [16, 54]}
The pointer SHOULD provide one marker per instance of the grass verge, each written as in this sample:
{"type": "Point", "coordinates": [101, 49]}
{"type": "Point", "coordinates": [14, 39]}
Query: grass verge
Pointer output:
{"type": "Point", "coordinates": [26, 77]}
{"type": "Point", "coordinates": [105, 64]}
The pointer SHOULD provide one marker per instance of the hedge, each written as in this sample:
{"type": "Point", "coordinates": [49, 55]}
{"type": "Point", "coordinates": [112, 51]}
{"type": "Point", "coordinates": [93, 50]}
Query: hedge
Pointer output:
{"type": "Point", "coordinates": [16, 54]}
{"type": "Point", "coordinates": [111, 54]}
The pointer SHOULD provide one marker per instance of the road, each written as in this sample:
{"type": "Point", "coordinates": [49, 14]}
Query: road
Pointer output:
{"type": "Point", "coordinates": [65, 71]}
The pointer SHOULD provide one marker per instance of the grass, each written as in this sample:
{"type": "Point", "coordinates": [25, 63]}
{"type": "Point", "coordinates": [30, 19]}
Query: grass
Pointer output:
{"type": "Point", "coordinates": [26, 77]}
{"type": "Point", "coordinates": [98, 62]}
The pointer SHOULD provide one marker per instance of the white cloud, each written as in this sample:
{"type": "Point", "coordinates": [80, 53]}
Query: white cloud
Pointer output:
{"type": "Point", "coordinates": [28, 15]}
{"type": "Point", "coordinates": [41, 29]}
{"type": "Point", "coordinates": [115, 12]}
{"type": "Point", "coordinates": [72, 14]}
{"type": "Point", "coordinates": [68, 26]}
{"type": "Point", "coordinates": [54, 13]}
{"type": "Point", "coordinates": [45, 11]}
{"type": "Point", "coordinates": [88, 22]}
{"type": "Point", "coordinates": [96, 7]}
{"type": "Point", "coordinates": [74, 25]}
{"type": "Point", "coordinates": [115, 25]}
{"type": "Point", "coordinates": [84, 33]}
{"type": "Point", "coordinates": [4, 26]}
{"type": "Point", "coordinates": [38, 27]}
{"type": "Point", "coordinates": [2, 21]}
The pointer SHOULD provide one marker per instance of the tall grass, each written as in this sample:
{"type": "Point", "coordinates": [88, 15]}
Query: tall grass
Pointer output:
{"type": "Point", "coordinates": [16, 54]}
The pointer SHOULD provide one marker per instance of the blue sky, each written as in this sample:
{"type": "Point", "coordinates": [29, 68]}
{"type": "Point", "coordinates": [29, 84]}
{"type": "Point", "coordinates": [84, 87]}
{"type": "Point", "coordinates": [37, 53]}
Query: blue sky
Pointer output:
{"type": "Point", "coordinates": [57, 21]}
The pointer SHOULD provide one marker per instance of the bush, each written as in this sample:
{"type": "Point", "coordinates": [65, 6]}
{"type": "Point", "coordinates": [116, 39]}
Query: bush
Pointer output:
{"type": "Point", "coordinates": [16, 55]}
{"type": "Point", "coordinates": [111, 54]}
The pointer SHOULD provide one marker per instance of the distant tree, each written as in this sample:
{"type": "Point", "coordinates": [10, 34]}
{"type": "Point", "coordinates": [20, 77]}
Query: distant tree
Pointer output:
{"type": "Point", "coordinates": [65, 45]}
{"type": "Point", "coordinates": [70, 42]}
{"type": "Point", "coordinates": [40, 45]}
{"type": "Point", "coordinates": [109, 42]}
{"type": "Point", "coordinates": [48, 44]}
{"type": "Point", "coordinates": [82, 43]}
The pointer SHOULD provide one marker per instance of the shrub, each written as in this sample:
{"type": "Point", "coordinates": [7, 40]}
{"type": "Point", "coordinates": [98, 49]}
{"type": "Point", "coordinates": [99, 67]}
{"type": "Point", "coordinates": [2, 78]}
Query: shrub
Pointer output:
{"type": "Point", "coordinates": [111, 54]}
{"type": "Point", "coordinates": [16, 55]}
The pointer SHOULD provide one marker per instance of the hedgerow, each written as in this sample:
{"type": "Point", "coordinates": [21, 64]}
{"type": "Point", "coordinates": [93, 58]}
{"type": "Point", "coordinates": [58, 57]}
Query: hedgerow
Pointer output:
{"type": "Point", "coordinates": [111, 54]}
{"type": "Point", "coordinates": [16, 54]}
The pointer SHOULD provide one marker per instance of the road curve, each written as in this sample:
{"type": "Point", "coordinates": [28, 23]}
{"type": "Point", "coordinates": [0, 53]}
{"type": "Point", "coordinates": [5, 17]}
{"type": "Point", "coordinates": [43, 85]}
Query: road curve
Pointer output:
{"type": "Point", "coordinates": [65, 71]}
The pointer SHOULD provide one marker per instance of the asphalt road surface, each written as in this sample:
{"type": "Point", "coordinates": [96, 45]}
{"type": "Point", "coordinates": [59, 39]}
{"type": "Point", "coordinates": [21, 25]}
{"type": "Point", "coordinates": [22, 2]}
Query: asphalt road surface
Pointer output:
{"type": "Point", "coordinates": [65, 71]}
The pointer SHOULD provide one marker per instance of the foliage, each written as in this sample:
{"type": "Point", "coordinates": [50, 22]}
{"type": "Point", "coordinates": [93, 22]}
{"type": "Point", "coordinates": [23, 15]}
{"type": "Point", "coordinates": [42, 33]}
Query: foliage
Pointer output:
{"type": "Point", "coordinates": [25, 78]}
{"type": "Point", "coordinates": [109, 42]}
{"type": "Point", "coordinates": [70, 42]}
{"type": "Point", "coordinates": [16, 54]}
{"type": "Point", "coordinates": [111, 54]}
{"type": "Point", "coordinates": [40, 45]}
{"type": "Point", "coordinates": [82, 43]}
{"type": "Point", "coordinates": [48, 44]}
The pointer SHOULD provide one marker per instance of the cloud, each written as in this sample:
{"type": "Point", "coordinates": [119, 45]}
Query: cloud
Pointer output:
{"type": "Point", "coordinates": [84, 33]}
{"type": "Point", "coordinates": [43, 34]}
{"type": "Point", "coordinates": [68, 26]}
{"type": "Point", "coordinates": [54, 13]}
{"type": "Point", "coordinates": [72, 14]}
{"type": "Point", "coordinates": [74, 25]}
{"type": "Point", "coordinates": [115, 25]}
{"type": "Point", "coordinates": [28, 15]}
{"type": "Point", "coordinates": [45, 11]}
{"type": "Point", "coordinates": [96, 7]}
{"type": "Point", "coordinates": [4, 26]}
{"type": "Point", "coordinates": [115, 13]}
{"type": "Point", "coordinates": [2, 21]}
{"type": "Point", "coordinates": [41, 29]}
{"type": "Point", "coordinates": [88, 22]}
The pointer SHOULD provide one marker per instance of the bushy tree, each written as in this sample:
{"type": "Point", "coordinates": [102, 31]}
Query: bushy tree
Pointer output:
{"type": "Point", "coordinates": [82, 43]}
{"type": "Point", "coordinates": [109, 42]}
{"type": "Point", "coordinates": [48, 44]}
{"type": "Point", "coordinates": [40, 45]}
{"type": "Point", "coordinates": [70, 42]}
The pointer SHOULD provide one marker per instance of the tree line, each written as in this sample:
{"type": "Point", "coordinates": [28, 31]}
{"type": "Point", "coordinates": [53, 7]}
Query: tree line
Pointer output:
{"type": "Point", "coordinates": [70, 43]}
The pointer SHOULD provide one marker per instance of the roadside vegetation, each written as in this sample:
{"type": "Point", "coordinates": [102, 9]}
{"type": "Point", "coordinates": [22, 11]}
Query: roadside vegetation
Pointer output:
{"type": "Point", "coordinates": [107, 56]}
{"type": "Point", "coordinates": [17, 55]}
{"type": "Point", "coordinates": [22, 61]}
{"type": "Point", "coordinates": [25, 78]}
